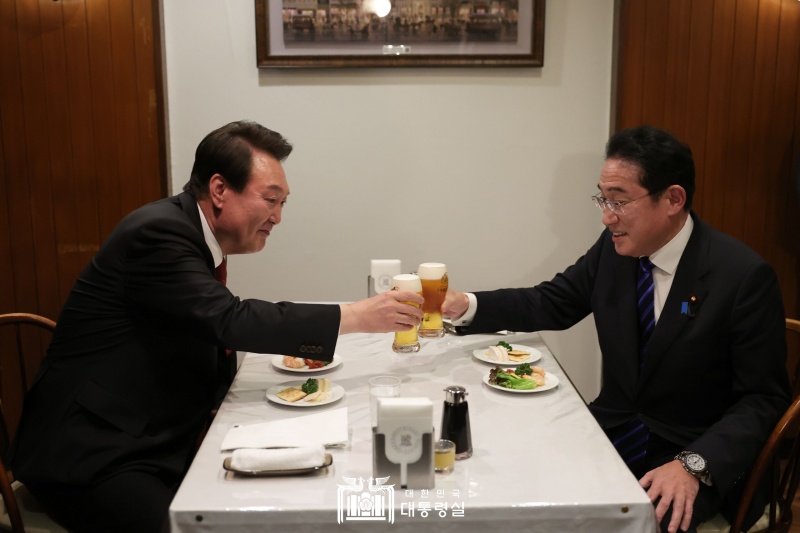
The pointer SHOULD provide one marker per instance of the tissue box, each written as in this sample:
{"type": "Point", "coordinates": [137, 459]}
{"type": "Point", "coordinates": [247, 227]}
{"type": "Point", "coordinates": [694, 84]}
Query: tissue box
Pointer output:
{"type": "Point", "coordinates": [402, 442]}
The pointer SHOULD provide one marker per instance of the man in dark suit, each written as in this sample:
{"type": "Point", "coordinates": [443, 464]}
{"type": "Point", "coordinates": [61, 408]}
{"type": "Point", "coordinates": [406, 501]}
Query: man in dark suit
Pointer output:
{"type": "Point", "coordinates": [690, 399]}
{"type": "Point", "coordinates": [142, 350]}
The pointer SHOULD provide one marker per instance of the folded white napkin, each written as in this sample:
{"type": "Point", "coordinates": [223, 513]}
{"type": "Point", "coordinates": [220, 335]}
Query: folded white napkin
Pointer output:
{"type": "Point", "coordinates": [261, 460]}
{"type": "Point", "coordinates": [326, 428]}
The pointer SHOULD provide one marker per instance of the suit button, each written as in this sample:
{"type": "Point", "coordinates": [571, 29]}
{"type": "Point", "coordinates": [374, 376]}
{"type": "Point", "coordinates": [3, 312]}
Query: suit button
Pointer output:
{"type": "Point", "coordinates": [303, 349]}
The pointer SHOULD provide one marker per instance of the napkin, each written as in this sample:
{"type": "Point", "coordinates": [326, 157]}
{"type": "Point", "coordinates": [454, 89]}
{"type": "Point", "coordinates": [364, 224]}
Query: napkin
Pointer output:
{"type": "Point", "coordinates": [328, 428]}
{"type": "Point", "coordinates": [261, 460]}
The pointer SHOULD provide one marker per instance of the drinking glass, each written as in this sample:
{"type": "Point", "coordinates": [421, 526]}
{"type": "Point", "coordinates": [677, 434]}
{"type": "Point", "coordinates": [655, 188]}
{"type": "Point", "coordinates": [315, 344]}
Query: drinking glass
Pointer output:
{"type": "Point", "coordinates": [444, 457]}
{"type": "Point", "coordinates": [406, 341]}
{"type": "Point", "coordinates": [433, 277]}
{"type": "Point", "coordinates": [381, 387]}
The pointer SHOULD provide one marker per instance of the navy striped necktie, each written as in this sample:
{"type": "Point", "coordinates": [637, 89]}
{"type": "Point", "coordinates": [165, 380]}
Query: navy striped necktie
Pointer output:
{"type": "Point", "coordinates": [645, 302]}
{"type": "Point", "coordinates": [631, 438]}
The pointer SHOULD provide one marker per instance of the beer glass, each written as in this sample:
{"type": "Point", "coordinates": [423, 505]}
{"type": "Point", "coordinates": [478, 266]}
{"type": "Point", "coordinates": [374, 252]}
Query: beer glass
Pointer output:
{"type": "Point", "coordinates": [434, 289]}
{"type": "Point", "coordinates": [406, 341]}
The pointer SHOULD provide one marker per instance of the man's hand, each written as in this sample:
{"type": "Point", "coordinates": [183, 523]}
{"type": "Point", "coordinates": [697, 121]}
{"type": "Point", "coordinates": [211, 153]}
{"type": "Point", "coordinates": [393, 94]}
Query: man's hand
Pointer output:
{"type": "Point", "coordinates": [675, 486]}
{"type": "Point", "coordinates": [455, 304]}
{"type": "Point", "coordinates": [382, 313]}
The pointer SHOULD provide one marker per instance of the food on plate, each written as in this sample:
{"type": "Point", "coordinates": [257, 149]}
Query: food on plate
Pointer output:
{"type": "Point", "coordinates": [293, 362]}
{"type": "Point", "coordinates": [518, 355]}
{"type": "Point", "coordinates": [313, 390]}
{"type": "Point", "coordinates": [311, 385]}
{"type": "Point", "coordinates": [524, 377]}
{"type": "Point", "coordinates": [538, 379]}
{"type": "Point", "coordinates": [523, 370]}
{"type": "Point", "coordinates": [497, 353]}
{"type": "Point", "coordinates": [292, 394]}
{"type": "Point", "coordinates": [323, 388]}
{"type": "Point", "coordinates": [299, 362]}
{"type": "Point", "coordinates": [503, 353]}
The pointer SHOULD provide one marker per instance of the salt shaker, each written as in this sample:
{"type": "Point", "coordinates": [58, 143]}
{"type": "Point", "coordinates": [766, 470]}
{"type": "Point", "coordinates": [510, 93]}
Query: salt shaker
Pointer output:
{"type": "Point", "coordinates": [455, 420]}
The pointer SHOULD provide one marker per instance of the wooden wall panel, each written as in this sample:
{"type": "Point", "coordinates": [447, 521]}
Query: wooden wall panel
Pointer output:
{"type": "Point", "coordinates": [103, 111]}
{"type": "Point", "coordinates": [83, 195]}
{"type": "Point", "coordinates": [81, 145]}
{"type": "Point", "coordinates": [148, 86]}
{"type": "Point", "coordinates": [723, 76]}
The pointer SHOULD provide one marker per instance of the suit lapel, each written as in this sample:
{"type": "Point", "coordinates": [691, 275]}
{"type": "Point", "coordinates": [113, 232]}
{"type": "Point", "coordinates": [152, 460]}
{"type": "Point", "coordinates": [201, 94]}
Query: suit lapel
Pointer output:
{"type": "Point", "coordinates": [621, 348]}
{"type": "Point", "coordinates": [687, 293]}
{"type": "Point", "coordinates": [189, 206]}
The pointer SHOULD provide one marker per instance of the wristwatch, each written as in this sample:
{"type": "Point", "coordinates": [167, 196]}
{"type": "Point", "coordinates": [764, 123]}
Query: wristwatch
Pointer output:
{"type": "Point", "coordinates": [694, 463]}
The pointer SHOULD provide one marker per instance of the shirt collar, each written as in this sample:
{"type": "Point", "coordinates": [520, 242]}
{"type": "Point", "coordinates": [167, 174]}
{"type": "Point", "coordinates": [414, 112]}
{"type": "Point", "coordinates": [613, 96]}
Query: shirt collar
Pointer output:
{"type": "Point", "coordinates": [669, 255]}
{"type": "Point", "coordinates": [211, 241]}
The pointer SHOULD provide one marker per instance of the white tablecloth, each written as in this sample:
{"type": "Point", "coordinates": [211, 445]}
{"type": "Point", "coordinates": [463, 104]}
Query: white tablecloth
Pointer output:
{"type": "Point", "coordinates": [541, 463]}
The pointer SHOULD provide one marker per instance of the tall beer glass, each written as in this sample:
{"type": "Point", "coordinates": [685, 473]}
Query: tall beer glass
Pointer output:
{"type": "Point", "coordinates": [434, 289]}
{"type": "Point", "coordinates": [406, 341]}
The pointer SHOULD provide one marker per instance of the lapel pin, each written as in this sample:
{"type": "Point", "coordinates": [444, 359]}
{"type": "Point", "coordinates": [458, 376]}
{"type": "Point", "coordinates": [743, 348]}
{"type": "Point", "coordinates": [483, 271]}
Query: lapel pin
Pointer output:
{"type": "Point", "coordinates": [689, 308]}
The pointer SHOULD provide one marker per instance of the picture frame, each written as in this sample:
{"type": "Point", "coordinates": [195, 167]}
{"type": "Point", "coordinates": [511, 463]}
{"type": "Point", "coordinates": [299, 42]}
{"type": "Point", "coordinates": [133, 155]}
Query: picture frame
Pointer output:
{"type": "Point", "coordinates": [414, 33]}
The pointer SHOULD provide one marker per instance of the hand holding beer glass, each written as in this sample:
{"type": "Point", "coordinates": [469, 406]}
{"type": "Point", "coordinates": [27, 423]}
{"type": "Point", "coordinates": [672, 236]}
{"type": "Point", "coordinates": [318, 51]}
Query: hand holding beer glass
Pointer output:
{"type": "Point", "coordinates": [406, 341]}
{"type": "Point", "coordinates": [434, 289]}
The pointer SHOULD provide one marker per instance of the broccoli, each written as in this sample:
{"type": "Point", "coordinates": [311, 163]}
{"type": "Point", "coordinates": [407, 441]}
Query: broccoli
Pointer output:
{"type": "Point", "coordinates": [505, 345]}
{"type": "Point", "coordinates": [524, 369]}
{"type": "Point", "coordinates": [310, 386]}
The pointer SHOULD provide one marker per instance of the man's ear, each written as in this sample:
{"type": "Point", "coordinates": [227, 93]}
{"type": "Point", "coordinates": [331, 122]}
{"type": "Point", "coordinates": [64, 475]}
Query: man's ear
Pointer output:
{"type": "Point", "coordinates": [216, 188]}
{"type": "Point", "coordinates": [676, 195]}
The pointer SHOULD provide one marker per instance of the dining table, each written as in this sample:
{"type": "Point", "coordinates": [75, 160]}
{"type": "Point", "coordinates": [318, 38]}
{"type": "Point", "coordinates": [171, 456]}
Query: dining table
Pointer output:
{"type": "Point", "coordinates": [540, 461]}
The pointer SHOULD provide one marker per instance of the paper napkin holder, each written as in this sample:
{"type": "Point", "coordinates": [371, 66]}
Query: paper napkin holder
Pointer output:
{"type": "Point", "coordinates": [402, 442]}
{"type": "Point", "coordinates": [380, 276]}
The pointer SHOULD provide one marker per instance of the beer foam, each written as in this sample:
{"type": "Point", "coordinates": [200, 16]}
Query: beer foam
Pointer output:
{"type": "Point", "coordinates": [431, 270]}
{"type": "Point", "coordinates": [407, 282]}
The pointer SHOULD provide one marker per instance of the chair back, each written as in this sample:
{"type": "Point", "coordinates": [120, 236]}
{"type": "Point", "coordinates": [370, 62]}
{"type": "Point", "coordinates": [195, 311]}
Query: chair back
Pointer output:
{"type": "Point", "coordinates": [793, 354]}
{"type": "Point", "coordinates": [23, 339]}
{"type": "Point", "coordinates": [785, 473]}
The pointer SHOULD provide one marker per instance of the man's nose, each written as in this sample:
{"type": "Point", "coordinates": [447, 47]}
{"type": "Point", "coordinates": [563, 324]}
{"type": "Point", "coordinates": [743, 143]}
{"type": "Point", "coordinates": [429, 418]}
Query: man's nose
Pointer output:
{"type": "Point", "coordinates": [275, 217]}
{"type": "Point", "coordinates": [609, 217]}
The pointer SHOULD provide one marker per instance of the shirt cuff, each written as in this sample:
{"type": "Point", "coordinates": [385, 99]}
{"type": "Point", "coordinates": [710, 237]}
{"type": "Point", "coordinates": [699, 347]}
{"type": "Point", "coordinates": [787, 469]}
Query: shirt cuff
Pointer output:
{"type": "Point", "coordinates": [469, 315]}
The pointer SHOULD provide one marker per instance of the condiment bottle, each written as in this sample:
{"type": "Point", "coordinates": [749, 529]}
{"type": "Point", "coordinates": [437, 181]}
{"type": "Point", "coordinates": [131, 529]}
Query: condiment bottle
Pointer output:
{"type": "Point", "coordinates": [455, 420]}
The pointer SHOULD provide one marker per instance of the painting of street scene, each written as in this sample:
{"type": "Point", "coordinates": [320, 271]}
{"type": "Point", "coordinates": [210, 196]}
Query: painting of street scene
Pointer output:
{"type": "Point", "coordinates": [399, 21]}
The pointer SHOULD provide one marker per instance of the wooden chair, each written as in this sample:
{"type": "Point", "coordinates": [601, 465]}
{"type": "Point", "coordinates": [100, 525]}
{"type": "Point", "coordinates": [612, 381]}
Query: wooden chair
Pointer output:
{"type": "Point", "coordinates": [793, 357]}
{"type": "Point", "coordinates": [777, 517]}
{"type": "Point", "coordinates": [20, 512]}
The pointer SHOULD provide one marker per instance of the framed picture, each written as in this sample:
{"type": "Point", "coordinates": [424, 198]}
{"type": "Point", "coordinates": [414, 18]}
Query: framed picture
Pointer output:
{"type": "Point", "coordinates": [399, 33]}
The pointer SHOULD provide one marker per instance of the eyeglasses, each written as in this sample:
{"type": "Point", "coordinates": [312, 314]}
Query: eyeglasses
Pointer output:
{"type": "Point", "coordinates": [618, 208]}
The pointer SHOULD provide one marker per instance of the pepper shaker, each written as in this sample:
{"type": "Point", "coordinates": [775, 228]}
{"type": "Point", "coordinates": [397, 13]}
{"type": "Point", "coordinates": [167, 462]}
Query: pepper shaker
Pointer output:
{"type": "Point", "coordinates": [455, 420]}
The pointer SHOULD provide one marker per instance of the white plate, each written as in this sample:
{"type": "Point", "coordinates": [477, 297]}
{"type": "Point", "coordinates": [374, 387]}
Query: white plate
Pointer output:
{"type": "Point", "coordinates": [335, 393]}
{"type": "Point", "coordinates": [550, 382]}
{"type": "Point", "coordinates": [277, 362]}
{"type": "Point", "coordinates": [534, 356]}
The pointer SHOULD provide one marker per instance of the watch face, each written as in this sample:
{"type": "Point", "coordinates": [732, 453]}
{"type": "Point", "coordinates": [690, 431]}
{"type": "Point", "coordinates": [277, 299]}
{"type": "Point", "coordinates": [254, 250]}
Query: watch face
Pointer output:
{"type": "Point", "coordinates": [695, 462]}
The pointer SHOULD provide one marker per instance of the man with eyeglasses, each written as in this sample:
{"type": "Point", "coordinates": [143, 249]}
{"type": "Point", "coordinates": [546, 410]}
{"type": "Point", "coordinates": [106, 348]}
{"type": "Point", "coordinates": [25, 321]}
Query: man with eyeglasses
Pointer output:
{"type": "Point", "coordinates": [691, 328]}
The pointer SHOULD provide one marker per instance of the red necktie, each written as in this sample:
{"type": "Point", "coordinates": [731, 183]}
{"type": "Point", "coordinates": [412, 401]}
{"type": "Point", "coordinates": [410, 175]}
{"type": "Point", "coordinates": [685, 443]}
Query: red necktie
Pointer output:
{"type": "Point", "coordinates": [221, 272]}
{"type": "Point", "coordinates": [221, 275]}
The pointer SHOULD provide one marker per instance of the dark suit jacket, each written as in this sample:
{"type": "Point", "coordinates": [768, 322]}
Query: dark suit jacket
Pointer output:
{"type": "Point", "coordinates": [134, 367]}
{"type": "Point", "coordinates": [714, 380]}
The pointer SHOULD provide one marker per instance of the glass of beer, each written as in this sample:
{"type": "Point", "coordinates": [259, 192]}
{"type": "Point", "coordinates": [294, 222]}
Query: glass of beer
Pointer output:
{"type": "Point", "coordinates": [406, 341]}
{"type": "Point", "coordinates": [434, 289]}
